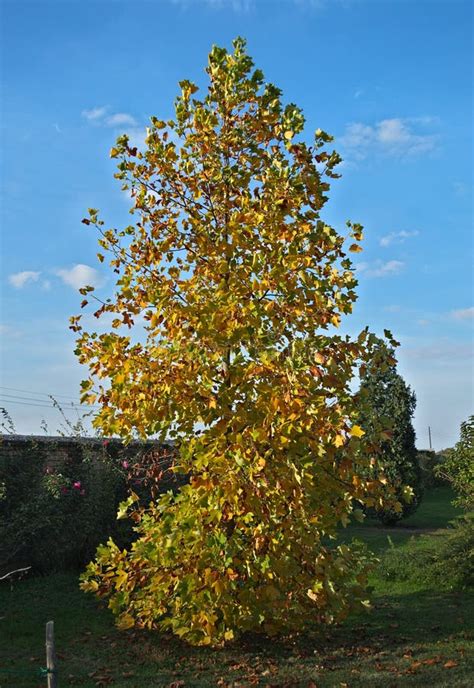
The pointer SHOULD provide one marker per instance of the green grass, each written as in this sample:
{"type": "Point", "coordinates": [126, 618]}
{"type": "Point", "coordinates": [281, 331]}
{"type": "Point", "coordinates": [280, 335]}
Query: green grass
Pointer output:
{"type": "Point", "coordinates": [415, 636]}
{"type": "Point", "coordinates": [435, 511]}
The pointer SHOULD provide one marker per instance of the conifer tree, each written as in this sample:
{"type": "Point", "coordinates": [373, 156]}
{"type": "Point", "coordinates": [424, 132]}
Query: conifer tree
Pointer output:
{"type": "Point", "coordinates": [389, 402]}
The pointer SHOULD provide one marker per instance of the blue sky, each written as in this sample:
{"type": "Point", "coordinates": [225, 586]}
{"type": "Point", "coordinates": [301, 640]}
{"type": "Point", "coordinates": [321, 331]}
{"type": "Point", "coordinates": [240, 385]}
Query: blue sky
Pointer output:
{"type": "Point", "coordinates": [391, 81]}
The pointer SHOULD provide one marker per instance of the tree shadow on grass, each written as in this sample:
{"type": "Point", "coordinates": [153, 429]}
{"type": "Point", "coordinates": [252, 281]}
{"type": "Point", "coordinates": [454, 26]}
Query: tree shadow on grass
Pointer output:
{"type": "Point", "coordinates": [375, 649]}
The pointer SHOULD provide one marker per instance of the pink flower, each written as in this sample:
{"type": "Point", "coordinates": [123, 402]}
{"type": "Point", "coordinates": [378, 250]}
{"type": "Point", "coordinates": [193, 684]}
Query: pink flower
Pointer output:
{"type": "Point", "coordinates": [77, 485]}
{"type": "Point", "coordinates": [125, 464]}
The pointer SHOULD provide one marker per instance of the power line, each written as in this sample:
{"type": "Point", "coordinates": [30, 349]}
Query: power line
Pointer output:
{"type": "Point", "coordinates": [26, 403]}
{"type": "Point", "coordinates": [40, 404]}
{"type": "Point", "coordinates": [44, 394]}
{"type": "Point", "coordinates": [68, 404]}
{"type": "Point", "coordinates": [63, 404]}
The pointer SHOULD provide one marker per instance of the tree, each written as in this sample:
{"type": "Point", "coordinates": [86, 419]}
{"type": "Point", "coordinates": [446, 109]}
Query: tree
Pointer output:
{"type": "Point", "coordinates": [235, 280]}
{"type": "Point", "coordinates": [390, 401]}
{"type": "Point", "coordinates": [458, 466]}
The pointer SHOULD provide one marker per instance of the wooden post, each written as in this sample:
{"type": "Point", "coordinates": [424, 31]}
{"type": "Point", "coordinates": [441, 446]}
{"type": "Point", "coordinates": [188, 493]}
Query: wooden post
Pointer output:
{"type": "Point", "coordinates": [51, 655]}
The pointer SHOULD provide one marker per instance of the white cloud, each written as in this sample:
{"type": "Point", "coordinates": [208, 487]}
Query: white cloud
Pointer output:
{"type": "Point", "coordinates": [79, 276]}
{"type": "Point", "coordinates": [396, 237]}
{"type": "Point", "coordinates": [235, 5]}
{"type": "Point", "coordinates": [396, 136]}
{"type": "Point", "coordinates": [19, 279]}
{"type": "Point", "coordinates": [463, 313]}
{"type": "Point", "coordinates": [97, 115]}
{"type": "Point", "coordinates": [8, 331]}
{"type": "Point", "coordinates": [120, 119]}
{"type": "Point", "coordinates": [381, 269]}
{"type": "Point", "coordinates": [441, 352]}
{"type": "Point", "coordinates": [248, 5]}
{"type": "Point", "coordinates": [94, 114]}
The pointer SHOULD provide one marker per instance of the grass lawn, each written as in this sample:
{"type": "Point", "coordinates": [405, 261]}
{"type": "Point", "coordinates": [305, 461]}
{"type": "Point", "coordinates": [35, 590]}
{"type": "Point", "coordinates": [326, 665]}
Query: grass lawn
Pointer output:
{"type": "Point", "coordinates": [415, 636]}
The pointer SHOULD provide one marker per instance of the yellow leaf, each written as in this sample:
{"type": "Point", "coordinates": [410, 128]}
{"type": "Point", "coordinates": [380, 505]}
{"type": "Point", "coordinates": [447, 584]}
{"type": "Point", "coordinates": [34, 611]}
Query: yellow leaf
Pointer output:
{"type": "Point", "coordinates": [121, 579]}
{"type": "Point", "coordinates": [125, 621]}
{"type": "Point", "coordinates": [218, 586]}
{"type": "Point", "coordinates": [289, 135]}
{"type": "Point", "coordinates": [355, 248]}
{"type": "Point", "coordinates": [228, 635]}
{"type": "Point", "coordinates": [356, 431]}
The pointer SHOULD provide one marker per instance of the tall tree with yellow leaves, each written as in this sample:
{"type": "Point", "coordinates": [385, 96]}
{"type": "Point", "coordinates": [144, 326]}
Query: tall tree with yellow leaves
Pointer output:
{"type": "Point", "coordinates": [235, 282]}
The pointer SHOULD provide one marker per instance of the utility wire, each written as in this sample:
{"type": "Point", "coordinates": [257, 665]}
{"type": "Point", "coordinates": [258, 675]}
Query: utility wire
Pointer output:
{"type": "Point", "coordinates": [25, 403]}
{"type": "Point", "coordinates": [44, 394]}
{"type": "Point", "coordinates": [40, 405]}
{"type": "Point", "coordinates": [63, 404]}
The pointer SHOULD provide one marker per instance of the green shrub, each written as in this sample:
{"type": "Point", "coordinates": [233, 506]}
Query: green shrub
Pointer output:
{"type": "Point", "coordinates": [430, 463]}
{"type": "Point", "coordinates": [53, 517]}
{"type": "Point", "coordinates": [443, 560]}
{"type": "Point", "coordinates": [458, 466]}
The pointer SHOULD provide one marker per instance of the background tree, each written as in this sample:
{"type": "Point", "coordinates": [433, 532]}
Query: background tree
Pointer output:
{"type": "Point", "coordinates": [390, 402]}
{"type": "Point", "coordinates": [237, 280]}
{"type": "Point", "coordinates": [458, 466]}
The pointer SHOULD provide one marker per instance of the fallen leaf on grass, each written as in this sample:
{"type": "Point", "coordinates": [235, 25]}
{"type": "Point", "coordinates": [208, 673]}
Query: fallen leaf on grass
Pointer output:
{"type": "Point", "coordinates": [432, 660]}
{"type": "Point", "coordinates": [450, 664]}
{"type": "Point", "coordinates": [415, 666]}
{"type": "Point", "coordinates": [102, 680]}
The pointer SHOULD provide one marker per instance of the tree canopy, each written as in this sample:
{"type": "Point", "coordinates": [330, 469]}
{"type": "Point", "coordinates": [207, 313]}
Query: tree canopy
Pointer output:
{"type": "Point", "coordinates": [389, 402]}
{"type": "Point", "coordinates": [458, 466]}
{"type": "Point", "coordinates": [233, 285]}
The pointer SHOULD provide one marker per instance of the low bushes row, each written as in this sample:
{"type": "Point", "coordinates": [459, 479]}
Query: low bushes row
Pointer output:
{"type": "Point", "coordinates": [58, 503]}
{"type": "Point", "coordinates": [430, 463]}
